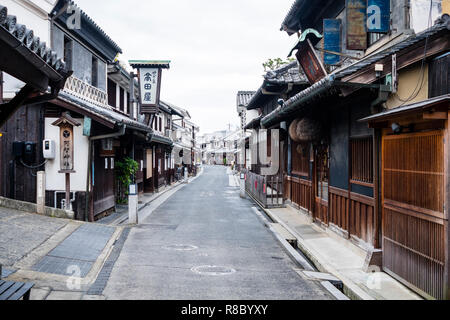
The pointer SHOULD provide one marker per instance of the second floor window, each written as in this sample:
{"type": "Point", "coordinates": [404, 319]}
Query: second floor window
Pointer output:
{"type": "Point", "coordinates": [68, 51]}
{"type": "Point", "coordinates": [112, 93]}
{"type": "Point", "coordinates": [94, 75]}
{"type": "Point", "coordinates": [122, 100]}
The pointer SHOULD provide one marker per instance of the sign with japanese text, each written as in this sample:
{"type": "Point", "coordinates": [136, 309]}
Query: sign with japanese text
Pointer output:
{"type": "Point", "coordinates": [356, 24]}
{"type": "Point", "coordinates": [378, 16]}
{"type": "Point", "coordinates": [66, 153]}
{"type": "Point", "coordinates": [150, 83]}
{"type": "Point", "coordinates": [310, 62]}
{"type": "Point", "coordinates": [332, 40]}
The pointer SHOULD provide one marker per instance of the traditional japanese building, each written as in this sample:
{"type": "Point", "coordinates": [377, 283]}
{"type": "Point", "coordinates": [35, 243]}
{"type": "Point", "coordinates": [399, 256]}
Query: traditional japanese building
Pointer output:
{"type": "Point", "coordinates": [360, 180]}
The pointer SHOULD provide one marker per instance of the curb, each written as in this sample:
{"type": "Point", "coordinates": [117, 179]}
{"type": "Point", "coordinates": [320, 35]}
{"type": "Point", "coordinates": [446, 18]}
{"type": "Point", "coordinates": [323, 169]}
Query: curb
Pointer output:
{"type": "Point", "coordinates": [299, 260]}
{"type": "Point", "coordinates": [351, 289]}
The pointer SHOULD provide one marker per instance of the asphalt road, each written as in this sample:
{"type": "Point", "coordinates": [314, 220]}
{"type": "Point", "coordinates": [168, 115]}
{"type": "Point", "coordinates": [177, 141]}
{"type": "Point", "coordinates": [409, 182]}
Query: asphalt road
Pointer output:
{"type": "Point", "coordinates": [206, 243]}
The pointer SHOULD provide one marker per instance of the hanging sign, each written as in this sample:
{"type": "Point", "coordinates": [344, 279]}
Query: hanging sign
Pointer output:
{"type": "Point", "coordinates": [310, 62]}
{"type": "Point", "coordinates": [378, 16]}
{"type": "Point", "coordinates": [356, 24]}
{"type": "Point", "coordinates": [150, 84]}
{"type": "Point", "coordinates": [87, 125]}
{"type": "Point", "coordinates": [332, 40]}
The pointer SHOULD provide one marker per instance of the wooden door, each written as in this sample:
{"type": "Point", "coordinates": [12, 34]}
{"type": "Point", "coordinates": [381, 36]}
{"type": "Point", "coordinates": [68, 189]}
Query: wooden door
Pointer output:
{"type": "Point", "coordinates": [413, 210]}
{"type": "Point", "coordinates": [321, 184]}
{"type": "Point", "coordinates": [104, 181]}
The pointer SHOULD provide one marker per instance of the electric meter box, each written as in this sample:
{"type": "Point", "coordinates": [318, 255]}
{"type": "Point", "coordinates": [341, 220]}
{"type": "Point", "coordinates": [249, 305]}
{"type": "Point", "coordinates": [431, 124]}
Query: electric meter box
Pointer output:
{"type": "Point", "coordinates": [49, 149]}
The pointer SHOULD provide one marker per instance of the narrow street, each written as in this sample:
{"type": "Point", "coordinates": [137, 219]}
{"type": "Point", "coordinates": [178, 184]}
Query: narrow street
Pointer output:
{"type": "Point", "coordinates": [206, 243]}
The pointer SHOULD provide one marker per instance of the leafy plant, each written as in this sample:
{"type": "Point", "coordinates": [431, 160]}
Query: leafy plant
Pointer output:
{"type": "Point", "coordinates": [125, 171]}
{"type": "Point", "coordinates": [273, 64]}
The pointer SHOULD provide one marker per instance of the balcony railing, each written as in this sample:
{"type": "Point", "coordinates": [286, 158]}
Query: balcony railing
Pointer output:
{"type": "Point", "coordinates": [83, 90]}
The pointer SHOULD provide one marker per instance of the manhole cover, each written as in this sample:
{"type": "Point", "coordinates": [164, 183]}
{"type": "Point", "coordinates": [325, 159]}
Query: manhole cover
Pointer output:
{"type": "Point", "coordinates": [181, 247]}
{"type": "Point", "coordinates": [213, 270]}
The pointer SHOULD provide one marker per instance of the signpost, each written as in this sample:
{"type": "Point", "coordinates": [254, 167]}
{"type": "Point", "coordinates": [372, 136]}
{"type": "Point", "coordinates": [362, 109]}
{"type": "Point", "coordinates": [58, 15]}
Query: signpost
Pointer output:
{"type": "Point", "coordinates": [66, 124]}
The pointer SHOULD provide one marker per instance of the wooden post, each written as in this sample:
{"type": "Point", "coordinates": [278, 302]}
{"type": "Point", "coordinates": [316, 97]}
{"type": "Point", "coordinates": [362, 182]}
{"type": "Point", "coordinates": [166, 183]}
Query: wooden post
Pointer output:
{"type": "Point", "coordinates": [68, 191]}
{"type": "Point", "coordinates": [447, 210]}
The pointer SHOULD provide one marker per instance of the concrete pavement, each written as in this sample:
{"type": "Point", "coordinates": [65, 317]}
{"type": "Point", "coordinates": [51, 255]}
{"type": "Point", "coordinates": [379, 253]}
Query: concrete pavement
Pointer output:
{"type": "Point", "coordinates": [205, 242]}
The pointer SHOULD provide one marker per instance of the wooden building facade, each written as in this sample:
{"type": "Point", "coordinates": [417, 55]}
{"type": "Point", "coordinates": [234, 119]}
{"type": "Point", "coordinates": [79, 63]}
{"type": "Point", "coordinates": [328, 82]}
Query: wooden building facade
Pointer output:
{"type": "Point", "coordinates": [367, 152]}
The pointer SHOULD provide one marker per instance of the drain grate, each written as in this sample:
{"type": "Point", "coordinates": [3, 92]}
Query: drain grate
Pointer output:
{"type": "Point", "coordinates": [213, 270]}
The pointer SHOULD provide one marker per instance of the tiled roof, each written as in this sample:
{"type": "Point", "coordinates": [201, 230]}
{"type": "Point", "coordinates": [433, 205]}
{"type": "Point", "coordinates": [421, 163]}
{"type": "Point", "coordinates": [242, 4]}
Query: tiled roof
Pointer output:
{"type": "Point", "coordinates": [61, 3]}
{"type": "Point", "coordinates": [408, 108]}
{"type": "Point", "coordinates": [107, 114]}
{"type": "Point", "coordinates": [289, 73]}
{"type": "Point", "coordinates": [164, 64]}
{"type": "Point", "coordinates": [292, 13]}
{"type": "Point", "coordinates": [244, 97]}
{"type": "Point", "coordinates": [30, 47]}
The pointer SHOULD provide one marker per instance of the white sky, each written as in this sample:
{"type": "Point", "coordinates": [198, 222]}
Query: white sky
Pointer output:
{"type": "Point", "coordinates": [217, 47]}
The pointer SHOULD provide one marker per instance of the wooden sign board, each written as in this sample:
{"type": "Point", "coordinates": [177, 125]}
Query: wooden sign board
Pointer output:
{"type": "Point", "coordinates": [150, 88]}
{"type": "Point", "coordinates": [310, 62]}
{"type": "Point", "coordinates": [66, 148]}
{"type": "Point", "coordinates": [332, 40]}
{"type": "Point", "coordinates": [356, 24]}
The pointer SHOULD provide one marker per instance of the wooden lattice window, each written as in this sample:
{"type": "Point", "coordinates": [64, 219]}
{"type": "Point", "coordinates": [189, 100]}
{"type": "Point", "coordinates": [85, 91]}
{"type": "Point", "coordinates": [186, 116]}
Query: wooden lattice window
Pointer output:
{"type": "Point", "coordinates": [361, 153]}
{"type": "Point", "coordinates": [301, 159]}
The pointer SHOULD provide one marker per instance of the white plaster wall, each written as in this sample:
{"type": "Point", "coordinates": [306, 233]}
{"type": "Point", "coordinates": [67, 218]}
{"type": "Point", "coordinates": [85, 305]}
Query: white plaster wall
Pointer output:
{"type": "Point", "coordinates": [251, 115]}
{"type": "Point", "coordinates": [420, 10]}
{"type": "Point", "coordinates": [56, 181]}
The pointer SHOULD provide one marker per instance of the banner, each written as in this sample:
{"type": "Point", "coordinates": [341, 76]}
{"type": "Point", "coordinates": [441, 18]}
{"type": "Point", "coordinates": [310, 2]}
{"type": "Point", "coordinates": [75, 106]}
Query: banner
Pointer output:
{"type": "Point", "coordinates": [332, 40]}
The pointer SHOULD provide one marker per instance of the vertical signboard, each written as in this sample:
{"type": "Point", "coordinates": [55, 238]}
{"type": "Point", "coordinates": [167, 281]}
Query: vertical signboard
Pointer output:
{"type": "Point", "coordinates": [310, 62]}
{"type": "Point", "coordinates": [332, 40]}
{"type": "Point", "coordinates": [356, 24]}
{"type": "Point", "coordinates": [378, 16]}
{"type": "Point", "coordinates": [150, 84]}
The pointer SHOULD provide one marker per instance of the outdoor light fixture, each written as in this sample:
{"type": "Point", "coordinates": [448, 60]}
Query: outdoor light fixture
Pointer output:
{"type": "Point", "coordinates": [396, 128]}
{"type": "Point", "coordinates": [280, 102]}
{"type": "Point", "coordinates": [379, 68]}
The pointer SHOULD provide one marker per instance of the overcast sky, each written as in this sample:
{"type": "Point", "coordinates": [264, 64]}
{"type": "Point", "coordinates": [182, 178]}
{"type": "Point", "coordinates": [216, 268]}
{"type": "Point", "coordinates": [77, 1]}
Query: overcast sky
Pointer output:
{"type": "Point", "coordinates": [216, 47]}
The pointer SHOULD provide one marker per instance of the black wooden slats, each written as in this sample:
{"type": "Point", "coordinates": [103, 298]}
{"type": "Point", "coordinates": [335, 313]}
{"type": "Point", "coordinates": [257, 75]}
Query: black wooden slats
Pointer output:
{"type": "Point", "coordinates": [10, 290]}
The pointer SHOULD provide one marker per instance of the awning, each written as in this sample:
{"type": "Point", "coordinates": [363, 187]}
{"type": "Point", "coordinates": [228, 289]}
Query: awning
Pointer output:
{"type": "Point", "coordinates": [102, 114]}
{"type": "Point", "coordinates": [411, 108]}
{"type": "Point", "coordinates": [156, 138]}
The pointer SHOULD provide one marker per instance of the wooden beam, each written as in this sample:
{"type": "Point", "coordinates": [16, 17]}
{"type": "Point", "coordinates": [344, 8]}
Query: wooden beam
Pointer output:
{"type": "Point", "coordinates": [435, 115]}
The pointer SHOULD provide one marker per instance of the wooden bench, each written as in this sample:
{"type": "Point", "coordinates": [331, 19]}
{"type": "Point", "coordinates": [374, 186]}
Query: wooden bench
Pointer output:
{"type": "Point", "coordinates": [10, 290]}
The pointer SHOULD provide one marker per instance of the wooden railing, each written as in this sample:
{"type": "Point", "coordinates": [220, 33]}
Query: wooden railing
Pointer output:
{"type": "Point", "coordinates": [267, 190]}
{"type": "Point", "coordinates": [85, 91]}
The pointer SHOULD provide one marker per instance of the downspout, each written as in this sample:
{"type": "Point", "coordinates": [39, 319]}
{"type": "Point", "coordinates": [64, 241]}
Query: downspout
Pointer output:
{"type": "Point", "coordinates": [90, 217]}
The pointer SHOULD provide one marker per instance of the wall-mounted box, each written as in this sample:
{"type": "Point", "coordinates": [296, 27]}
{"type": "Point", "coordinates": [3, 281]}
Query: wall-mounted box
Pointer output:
{"type": "Point", "coordinates": [49, 149]}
